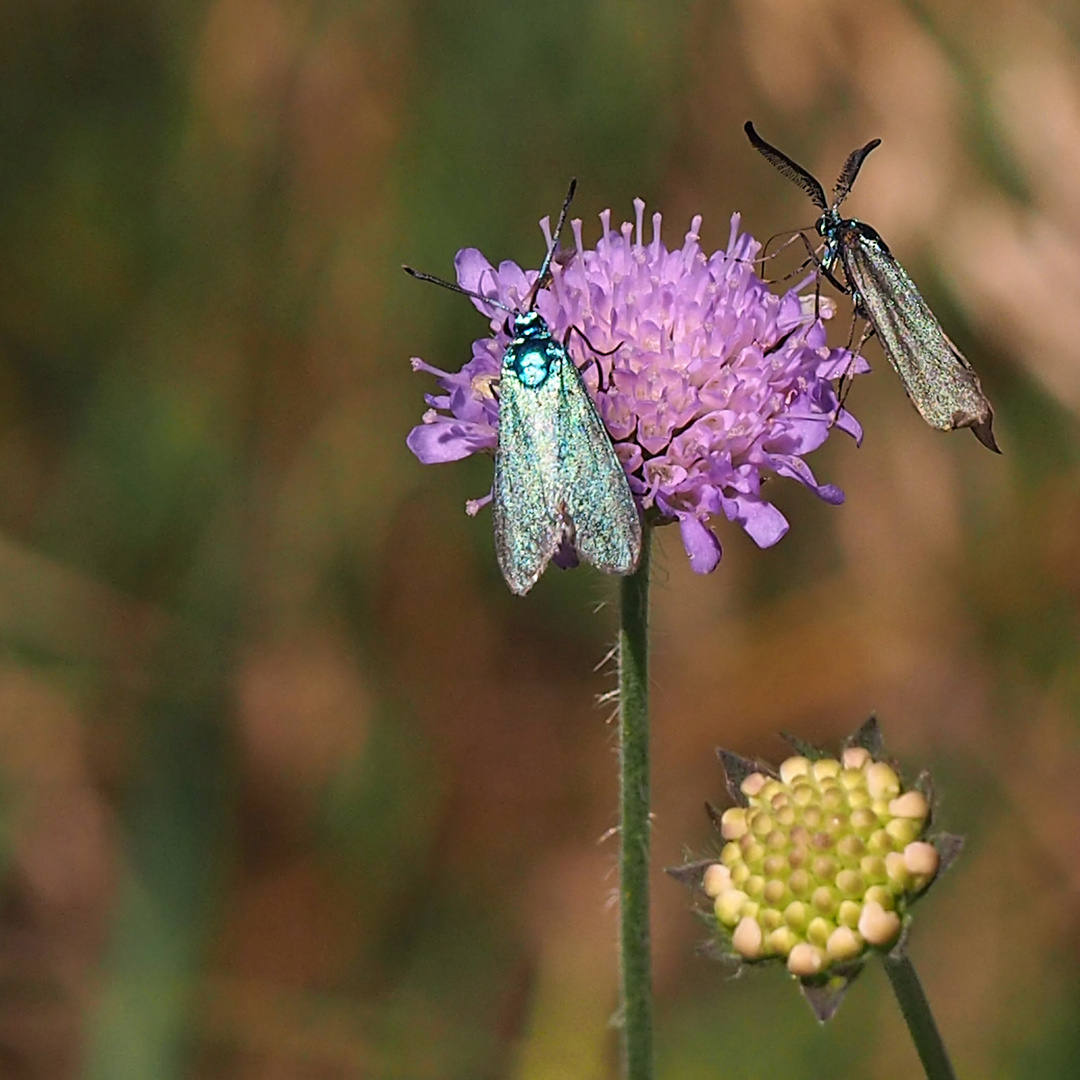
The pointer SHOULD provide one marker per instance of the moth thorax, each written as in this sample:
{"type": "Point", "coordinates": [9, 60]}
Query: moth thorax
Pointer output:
{"type": "Point", "coordinates": [823, 224]}
{"type": "Point", "coordinates": [531, 362]}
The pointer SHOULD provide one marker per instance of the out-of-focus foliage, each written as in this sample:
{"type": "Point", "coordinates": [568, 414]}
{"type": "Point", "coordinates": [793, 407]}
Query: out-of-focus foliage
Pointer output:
{"type": "Point", "coordinates": [290, 785]}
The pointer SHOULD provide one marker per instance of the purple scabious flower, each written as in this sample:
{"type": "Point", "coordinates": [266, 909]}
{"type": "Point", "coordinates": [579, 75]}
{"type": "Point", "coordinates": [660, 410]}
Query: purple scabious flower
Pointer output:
{"type": "Point", "coordinates": [714, 381]}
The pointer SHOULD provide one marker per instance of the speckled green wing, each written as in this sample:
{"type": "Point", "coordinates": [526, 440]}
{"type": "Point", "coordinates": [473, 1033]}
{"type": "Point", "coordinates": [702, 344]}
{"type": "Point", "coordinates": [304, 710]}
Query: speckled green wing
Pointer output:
{"type": "Point", "coordinates": [597, 496]}
{"type": "Point", "coordinates": [557, 475]}
{"type": "Point", "coordinates": [525, 495]}
{"type": "Point", "coordinates": [936, 375]}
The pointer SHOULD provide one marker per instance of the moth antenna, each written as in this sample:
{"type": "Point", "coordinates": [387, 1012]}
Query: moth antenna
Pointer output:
{"type": "Point", "coordinates": [457, 288]}
{"type": "Point", "coordinates": [546, 264]}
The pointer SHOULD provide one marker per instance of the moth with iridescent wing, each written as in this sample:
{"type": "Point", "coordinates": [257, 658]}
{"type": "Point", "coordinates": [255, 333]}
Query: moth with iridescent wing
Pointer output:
{"type": "Point", "coordinates": [557, 476]}
{"type": "Point", "coordinates": [936, 375]}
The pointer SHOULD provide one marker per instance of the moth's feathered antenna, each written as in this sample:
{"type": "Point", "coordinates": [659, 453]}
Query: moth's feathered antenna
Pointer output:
{"type": "Point", "coordinates": [850, 171]}
{"type": "Point", "coordinates": [789, 168]}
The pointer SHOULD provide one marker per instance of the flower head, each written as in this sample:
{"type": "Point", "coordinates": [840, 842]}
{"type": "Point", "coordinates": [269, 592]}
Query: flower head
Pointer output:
{"type": "Point", "coordinates": [822, 862]}
{"type": "Point", "coordinates": [705, 380]}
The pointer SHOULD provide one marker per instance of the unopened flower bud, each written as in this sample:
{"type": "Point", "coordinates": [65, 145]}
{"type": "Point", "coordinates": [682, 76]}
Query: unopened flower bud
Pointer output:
{"type": "Point", "coordinates": [912, 804]}
{"type": "Point", "coordinates": [843, 944]}
{"type": "Point", "coordinates": [826, 768]}
{"type": "Point", "coordinates": [752, 784]}
{"type": "Point", "coordinates": [729, 905]}
{"type": "Point", "coordinates": [903, 830]}
{"type": "Point", "coordinates": [733, 824]}
{"type": "Point", "coordinates": [804, 960]}
{"type": "Point", "coordinates": [921, 858]}
{"type": "Point", "coordinates": [793, 767]}
{"type": "Point", "coordinates": [882, 781]}
{"type": "Point", "coordinates": [716, 879]}
{"type": "Point", "coordinates": [782, 940]}
{"type": "Point", "coordinates": [878, 926]}
{"type": "Point", "coordinates": [748, 938]}
{"type": "Point", "coordinates": [847, 914]}
{"type": "Point", "coordinates": [770, 919]}
{"type": "Point", "coordinates": [818, 931]}
{"type": "Point", "coordinates": [855, 757]}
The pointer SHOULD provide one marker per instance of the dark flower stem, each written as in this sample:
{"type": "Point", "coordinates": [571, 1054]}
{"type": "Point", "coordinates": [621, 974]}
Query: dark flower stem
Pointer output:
{"type": "Point", "coordinates": [920, 1020]}
{"type": "Point", "coordinates": [635, 961]}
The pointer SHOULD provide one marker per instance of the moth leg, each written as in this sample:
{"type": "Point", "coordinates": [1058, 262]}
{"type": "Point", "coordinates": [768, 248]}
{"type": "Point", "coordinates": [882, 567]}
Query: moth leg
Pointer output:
{"type": "Point", "coordinates": [846, 379]}
{"type": "Point", "coordinates": [596, 353]}
{"type": "Point", "coordinates": [765, 256]}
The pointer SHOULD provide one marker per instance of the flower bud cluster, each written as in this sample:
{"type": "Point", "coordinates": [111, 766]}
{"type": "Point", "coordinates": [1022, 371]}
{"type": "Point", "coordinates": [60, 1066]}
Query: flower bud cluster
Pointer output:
{"type": "Point", "coordinates": [821, 862]}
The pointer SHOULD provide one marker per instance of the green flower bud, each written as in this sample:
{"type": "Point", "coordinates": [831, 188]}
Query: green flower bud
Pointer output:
{"type": "Point", "coordinates": [858, 799]}
{"type": "Point", "coordinates": [775, 891]}
{"type": "Point", "coordinates": [824, 900]}
{"type": "Point", "coordinates": [777, 840]}
{"type": "Point", "coordinates": [874, 869]}
{"type": "Point", "coordinates": [897, 871]}
{"type": "Point", "coordinates": [863, 820]}
{"type": "Point", "coordinates": [762, 824]}
{"type": "Point", "coordinates": [879, 842]}
{"type": "Point", "coordinates": [818, 931]}
{"type": "Point", "coordinates": [850, 847]}
{"type": "Point", "coordinates": [800, 882]}
{"type": "Point", "coordinates": [770, 919]}
{"type": "Point", "coordinates": [826, 768]}
{"type": "Point", "coordinates": [903, 830]}
{"type": "Point", "coordinates": [771, 787]}
{"type": "Point", "coordinates": [730, 855]}
{"type": "Point", "coordinates": [847, 914]}
{"type": "Point", "coordinates": [729, 905]}
{"type": "Point", "coordinates": [754, 854]}
{"type": "Point", "coordinates": [824, 868]}
{"type": "Point", "coordinates": [880, 894]}
{"type": "Point", "coordinates": [797, 915]}
{"type": "Point", "coordinates": [740, 874]}
{"type": "Point", "coordinates": [851, 883]}
{"type": "Point", "coordinates": [782, 940]}
{"type": "Point", "coordinates": [754, 886]}
{"type": "Point", "coordinates": [852, 780]}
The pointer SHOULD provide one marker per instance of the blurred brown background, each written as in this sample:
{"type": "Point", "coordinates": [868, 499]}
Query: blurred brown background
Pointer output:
{"type": "Point", "coordinates": [290, 785]}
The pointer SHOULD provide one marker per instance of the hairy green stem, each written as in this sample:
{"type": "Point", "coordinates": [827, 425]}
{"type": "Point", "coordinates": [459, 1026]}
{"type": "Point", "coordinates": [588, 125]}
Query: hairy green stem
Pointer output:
{"type": "Point", "coordinates": [919, 1018]}
{"type": "Point", "coordinates": [634, 940]}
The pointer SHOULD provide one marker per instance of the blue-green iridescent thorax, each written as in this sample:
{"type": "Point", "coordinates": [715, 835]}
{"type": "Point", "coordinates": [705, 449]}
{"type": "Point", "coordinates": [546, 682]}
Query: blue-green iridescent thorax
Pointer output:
{"type": "Point", "coordinates": [532, 351]}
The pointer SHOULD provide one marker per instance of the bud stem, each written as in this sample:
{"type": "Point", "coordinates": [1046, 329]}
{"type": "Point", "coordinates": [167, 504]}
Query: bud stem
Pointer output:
{"type": "Point", "coordinates": [919, 1018]}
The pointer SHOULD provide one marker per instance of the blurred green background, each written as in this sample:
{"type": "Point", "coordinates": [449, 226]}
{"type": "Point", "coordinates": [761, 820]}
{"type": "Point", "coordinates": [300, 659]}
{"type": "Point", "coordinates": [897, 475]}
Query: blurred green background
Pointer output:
{"type": "Point", "coordinates": [290, 785]}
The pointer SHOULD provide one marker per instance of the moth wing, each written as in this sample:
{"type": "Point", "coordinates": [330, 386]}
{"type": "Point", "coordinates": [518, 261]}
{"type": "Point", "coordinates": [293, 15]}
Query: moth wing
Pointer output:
{"type": "Point", "coordinates": [525, 494]}
{"type": "Point", "coordinates": [937, 377]}
{"type": "Point", "coordinates": [597, 496]}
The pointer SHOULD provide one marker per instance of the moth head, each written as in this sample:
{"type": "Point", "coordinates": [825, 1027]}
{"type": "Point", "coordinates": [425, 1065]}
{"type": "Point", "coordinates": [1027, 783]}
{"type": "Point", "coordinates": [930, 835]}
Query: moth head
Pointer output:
{"type": "Point", "coordinates": [525, 323]}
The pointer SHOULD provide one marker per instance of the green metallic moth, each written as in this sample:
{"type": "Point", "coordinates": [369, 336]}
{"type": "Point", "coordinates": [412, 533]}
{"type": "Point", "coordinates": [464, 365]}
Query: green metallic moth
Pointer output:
{"type": "Point", "coordinates": [936, 375]}
{"type": "Point", "coordinates": [558, 480]}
